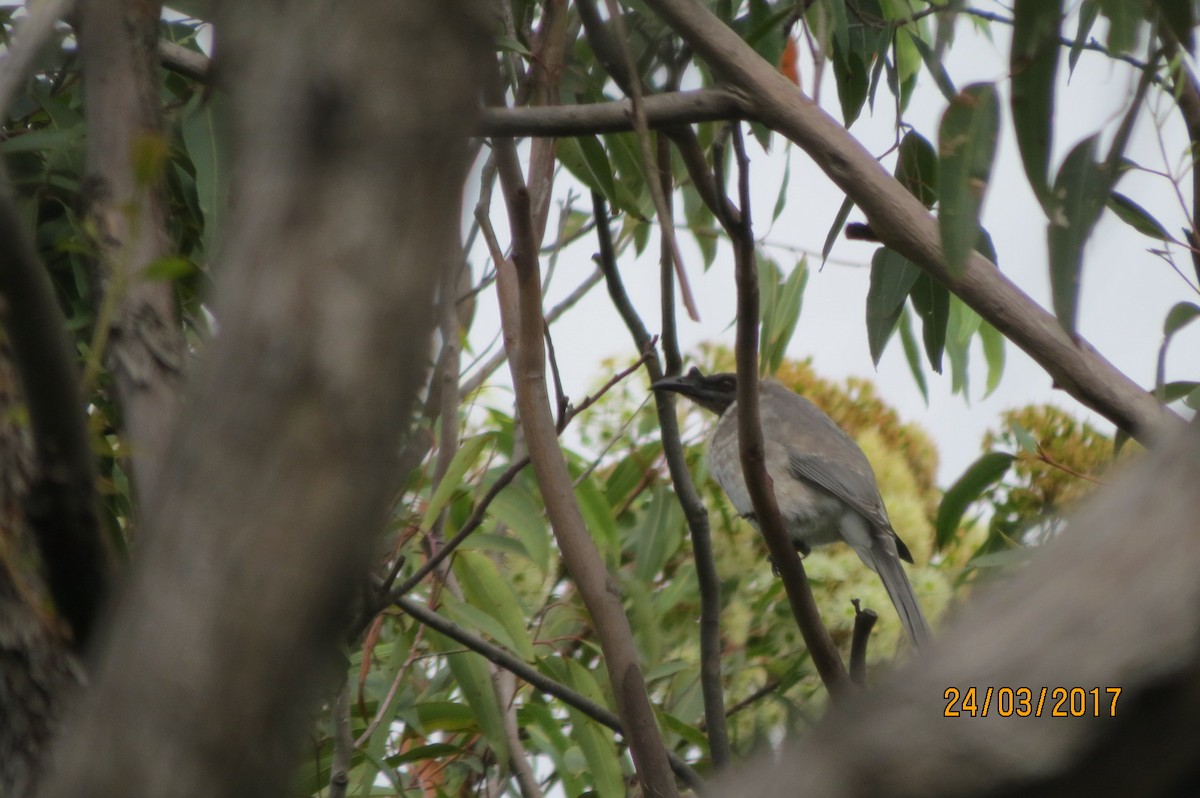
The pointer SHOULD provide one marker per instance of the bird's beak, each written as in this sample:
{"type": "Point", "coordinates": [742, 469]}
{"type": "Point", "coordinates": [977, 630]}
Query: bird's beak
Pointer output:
{"type": "Point", "coordinates": [680, 384]}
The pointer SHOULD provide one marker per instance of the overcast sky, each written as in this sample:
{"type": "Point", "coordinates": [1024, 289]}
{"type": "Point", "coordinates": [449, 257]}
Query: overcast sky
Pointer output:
{"type": "Point", "coordinates": [1126, 290]}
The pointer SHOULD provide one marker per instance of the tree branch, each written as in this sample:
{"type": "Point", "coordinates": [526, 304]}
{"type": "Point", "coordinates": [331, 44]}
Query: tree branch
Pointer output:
{"type": "Point", "coordinates": [126, 153]}
{"type": "Point", "coordinates": [904, 225]}
{"type": "Point", "coordinates": [519, 285]}
{"type": "Point", "coordinates": [662, 111]}
{"type": "Point", "coordinates": [694, 510]}
{"type": "Point", "coordinates": [61, 509]}
{"type": "Point", "coordinates": [533, 676]}
{"type": "Point", "coordinates": [268, 505]}
{"type": "Point", "coordinates": [751, 449]}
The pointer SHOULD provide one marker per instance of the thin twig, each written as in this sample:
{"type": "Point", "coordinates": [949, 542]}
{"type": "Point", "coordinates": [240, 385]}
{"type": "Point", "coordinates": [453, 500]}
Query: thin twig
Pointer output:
{"type": "Point", "coordinates": [534, 677]}
{"type": "Point", "coordinates": [694, 510]}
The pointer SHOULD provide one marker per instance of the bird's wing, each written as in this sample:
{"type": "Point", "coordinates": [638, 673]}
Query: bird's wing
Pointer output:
{"type": "Point", "coordinates": [856, 489]}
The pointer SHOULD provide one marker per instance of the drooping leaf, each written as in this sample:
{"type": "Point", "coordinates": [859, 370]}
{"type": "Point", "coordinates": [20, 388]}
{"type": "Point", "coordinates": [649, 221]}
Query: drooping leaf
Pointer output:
{"type": "Point", "coordinates": [836, 228]}
{"type": "Point", "coordinates": [912, 353]}
{"type": "Point", "coordinates": [781, 311]}
{"type": "Point", "coordinates": [993, 352]}
{"type": "Point", "coordinates": [1180, 16]}
{"type": "Point", "coordinates": [1088, 12]}
{"type": "Point", "coordinates": [1033, 62]}
{"type": "Point", "coordinates": [966, 149]}
{"type": "Point", "coordinates": [931, 300]}
{"type": "Point", "coordinates": [206, 130]}
{"type": "Point", "coordinates": [935, 67]}
{"type": "Point", "coordinates": [1077, 202]}
{"type": "Point", "coordinates": [917, 168]}
{"type": "Point", "coordinates": [471, 674]}
{"type": "Point", "coordinates": [484, 588]}
{"type": "Point", "coordinates": [1179, 316]}
{"type": "Point", "coordinates": [451, 483]}
{"type": "Point", "coordinates": [979, 476]}
{"type": "Point", "coordinates": [892, 278]}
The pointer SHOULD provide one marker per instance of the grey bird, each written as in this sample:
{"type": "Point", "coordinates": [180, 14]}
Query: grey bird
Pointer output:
{"type": "Point", "coordinates": [823, 483]}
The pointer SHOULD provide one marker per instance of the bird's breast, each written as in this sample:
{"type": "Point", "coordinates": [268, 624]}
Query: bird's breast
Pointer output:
{"type": "Point", "coordinates": [812, 516]}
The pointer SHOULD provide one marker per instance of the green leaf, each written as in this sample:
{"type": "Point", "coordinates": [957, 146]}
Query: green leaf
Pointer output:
{"type": "Point", "coordinates": [1033, 62]}
{"type": "Point", "coordinates": [931, 300]}
{"type": "Point", "coordinates": [1087, 17]}
{"type": "Point", "coordinates": [1078, 199]}
{"type": "Point", "coordinates": [993, 351]}
{"type": "Point", "coordinates": [1180, 316]}
{"type": "Point", "coordinates": [206, 130]}
{"type": "Point", "coordinates": [484, 587]}
{"type": "Point", "coordinates": [471, 674]}
{"type": "Point", "coordinates": [838, 220]}
{"type": "Point", "coordinates": [1124, 20]}
{"type": "Point", "coordinates": [853, 83]}
{"type": "Point", "coordinates": [597, 745]}
{"type": "Point", "coordinates": [966, 146]}
{"type": "Point", "coordinates": [587, 162]}
{"type": "Point", "coordinates": [780, 315]}
{"type": "Point", "coordinates": [892, 278]}
{"type": "Point", "coordinates": [658, 535]}
{"type": "Point", "coordinates": [1181, 389]}
{"type": "Point", "coordinates": [1137, 217]}
{"type": "Point", "coordinates": [912, 353]}
{"type": "Point", "coordinates": [934, 65]}
{"type": "Point", "coordinates": [917, 168]}
{"type": "Point", "coordinates": [781, 200]}
{"type": "Point", "coordinates": [1180, 18]}
{"type": "Point", "coordinates": [1024, 439]}
{"type": "Point", "coordinates": [979, 476]}
{"type": "Point", "coordinates": [168, 269]}
{"type": "Point", "coordinates": [451, 483]}
{"type": "Point", "coordinates": [512, 45]}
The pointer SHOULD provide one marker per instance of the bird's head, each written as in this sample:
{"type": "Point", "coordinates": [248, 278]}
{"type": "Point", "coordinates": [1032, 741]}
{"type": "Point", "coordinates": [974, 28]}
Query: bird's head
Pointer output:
{"type": "Point", "coordinates": [715, 392]}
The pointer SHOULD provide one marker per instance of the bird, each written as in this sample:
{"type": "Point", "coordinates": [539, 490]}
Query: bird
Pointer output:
{"type": "Point", "coordinates": [824, 484]}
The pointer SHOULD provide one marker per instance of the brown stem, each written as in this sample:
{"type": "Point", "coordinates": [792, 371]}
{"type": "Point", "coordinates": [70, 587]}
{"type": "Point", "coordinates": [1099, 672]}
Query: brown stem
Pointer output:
{"type": "Point", "coordinates": [689, 499]}
{"type": "Point", "coordinates": [519, 286]}
{"type": "Point", "coordinates": [750, 443]}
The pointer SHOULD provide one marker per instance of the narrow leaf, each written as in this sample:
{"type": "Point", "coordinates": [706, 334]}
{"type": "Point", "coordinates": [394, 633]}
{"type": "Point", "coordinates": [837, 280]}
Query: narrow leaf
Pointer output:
{"type": "Point", "coordinates": [839, 220]}
{"type": "Point", "coordinates": [1076, 204]}
{"type": "Point", "coordinates": [451, 483]}
{"type": "Point", "coordinates": [1180, 18]}
{"type": "Point", "coordinates": [1033, 61]}
{"type": "Point", "coordinates": [931, 300]}
{"type": "Point", "coordinates": [912, 353]}
{"type": "Point", "coordinates": [1137, 217]}
{"type": "Point", "coordinates": [892, 278]}
{"type": "Point", "coordinates": [979, 476]}
{"type": "Point", "coordinates": [993, 352]}
{"type": "Point", "coordinates": [934, 65]}
{"type": "Point", "coordinates": [966, 146]}
{"type": "Point", "coordinates": [917, 168]}
{"type": "Point", "coordinates": [1087, 17]}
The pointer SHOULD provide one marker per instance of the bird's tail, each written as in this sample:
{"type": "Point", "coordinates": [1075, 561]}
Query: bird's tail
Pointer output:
{"type": "Point", "coordinates": [900, 591]}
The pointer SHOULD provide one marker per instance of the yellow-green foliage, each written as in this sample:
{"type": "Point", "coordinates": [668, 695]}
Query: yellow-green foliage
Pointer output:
{"type": "Point", "coordinates": [1072, 447]}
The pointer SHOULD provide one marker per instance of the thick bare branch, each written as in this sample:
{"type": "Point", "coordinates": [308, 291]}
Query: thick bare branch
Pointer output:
{"type": "Point", "coordinates": [904, 224]}
{"type": "Point", "coordinates": [138, 331]}
{"type": "Point", "coordinates": [352, 167]}
{"type": "Point", "coordinates": [61, 507]}
{"type": "Point", "coordinates": [662, 111]}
